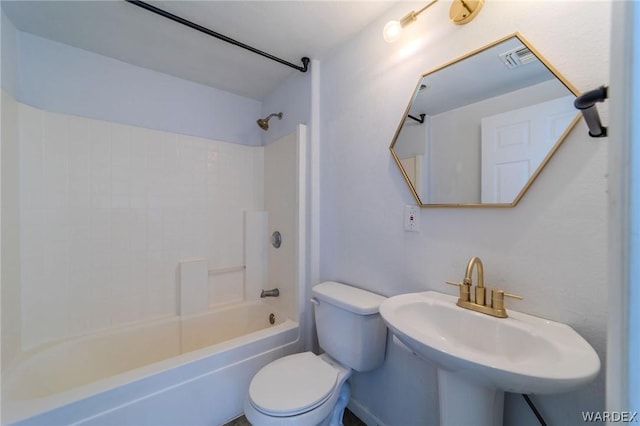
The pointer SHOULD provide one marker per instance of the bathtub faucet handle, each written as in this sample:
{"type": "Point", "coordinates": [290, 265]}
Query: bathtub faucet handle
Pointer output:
{"type": "Point", "coordinates": [270, 293]}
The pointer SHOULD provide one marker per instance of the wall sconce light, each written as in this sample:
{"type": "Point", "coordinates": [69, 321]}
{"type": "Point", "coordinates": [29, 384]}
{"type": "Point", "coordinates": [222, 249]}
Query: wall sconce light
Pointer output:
{"type": "Point", "coordinates": [461, 12]}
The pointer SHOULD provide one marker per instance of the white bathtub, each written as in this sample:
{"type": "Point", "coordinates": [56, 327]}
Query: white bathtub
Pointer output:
{"type": "Point", "coordinates": [165, 372]}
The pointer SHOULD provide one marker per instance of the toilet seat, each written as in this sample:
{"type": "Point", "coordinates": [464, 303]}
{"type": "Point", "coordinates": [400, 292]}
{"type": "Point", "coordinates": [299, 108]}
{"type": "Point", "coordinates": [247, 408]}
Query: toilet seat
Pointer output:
{"type": "Point", "coordinates": [293, 385]}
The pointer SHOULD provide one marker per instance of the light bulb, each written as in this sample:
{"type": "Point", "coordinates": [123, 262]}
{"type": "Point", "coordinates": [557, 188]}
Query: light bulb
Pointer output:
{"type": "Point", "coordinates": [391, 31]}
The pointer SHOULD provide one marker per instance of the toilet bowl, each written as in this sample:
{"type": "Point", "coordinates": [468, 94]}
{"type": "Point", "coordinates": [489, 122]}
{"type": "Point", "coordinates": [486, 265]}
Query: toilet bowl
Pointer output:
{"type": "Point", "coordinates": [302, 389]}
{"type": "Point", "coordinates": [308, 390]}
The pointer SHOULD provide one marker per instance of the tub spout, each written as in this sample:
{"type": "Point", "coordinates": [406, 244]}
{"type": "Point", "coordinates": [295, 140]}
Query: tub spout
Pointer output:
{"type": "Point", "coordinates": [270, 293]}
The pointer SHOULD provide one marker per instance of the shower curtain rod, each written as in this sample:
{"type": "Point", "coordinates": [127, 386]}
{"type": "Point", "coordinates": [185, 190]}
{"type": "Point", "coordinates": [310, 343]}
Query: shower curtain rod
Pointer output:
{"type": "Point", "coordinates": [419, 120]}
{"type": "Point", "coordinates": [175, 18]}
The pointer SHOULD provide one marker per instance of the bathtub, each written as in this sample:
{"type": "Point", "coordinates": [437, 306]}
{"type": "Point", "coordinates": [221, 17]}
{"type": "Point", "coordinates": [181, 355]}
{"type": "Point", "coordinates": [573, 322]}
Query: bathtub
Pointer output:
{"type": "Point", "coordinates": [165, 372]}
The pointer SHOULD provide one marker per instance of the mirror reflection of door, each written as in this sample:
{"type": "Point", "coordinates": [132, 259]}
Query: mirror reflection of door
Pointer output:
{"type": "Point", "coordinates": [515, 143]}
{"type": "Point", "coordinates": [413, 168]}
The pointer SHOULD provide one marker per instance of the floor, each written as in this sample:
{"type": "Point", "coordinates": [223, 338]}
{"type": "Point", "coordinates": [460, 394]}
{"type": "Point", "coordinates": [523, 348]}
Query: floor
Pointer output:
{"type": "Point", "coordinates": [349, 419]}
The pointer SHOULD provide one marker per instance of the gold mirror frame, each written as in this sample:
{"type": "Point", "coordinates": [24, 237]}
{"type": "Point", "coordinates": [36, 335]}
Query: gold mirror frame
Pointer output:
{"type": "Point", "coordinates": [537, 170]}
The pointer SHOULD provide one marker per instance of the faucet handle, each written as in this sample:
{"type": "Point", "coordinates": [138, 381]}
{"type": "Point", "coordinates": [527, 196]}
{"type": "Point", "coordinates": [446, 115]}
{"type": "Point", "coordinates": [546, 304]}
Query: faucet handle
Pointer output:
{"type": "Point", "coordinates": [497, 298]}
{"type": "Point", "coordinates": [465, 290]}
{"type": "Point", "coordinates": [513, 296]}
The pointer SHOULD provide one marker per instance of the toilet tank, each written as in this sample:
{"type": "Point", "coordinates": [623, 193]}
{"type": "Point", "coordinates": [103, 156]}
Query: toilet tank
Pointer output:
{"type": "Point", "coordinates": [350, 328]}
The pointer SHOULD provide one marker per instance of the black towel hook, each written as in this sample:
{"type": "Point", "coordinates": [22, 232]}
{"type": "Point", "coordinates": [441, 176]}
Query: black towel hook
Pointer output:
{"type": "Point", "coordinates": [586, 103]}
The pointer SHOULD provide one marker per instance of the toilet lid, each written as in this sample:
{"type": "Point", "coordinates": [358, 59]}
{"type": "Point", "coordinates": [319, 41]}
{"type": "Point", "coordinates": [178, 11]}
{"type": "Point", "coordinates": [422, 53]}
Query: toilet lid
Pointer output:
{"type": "Point", "coordinates": [292, 385]}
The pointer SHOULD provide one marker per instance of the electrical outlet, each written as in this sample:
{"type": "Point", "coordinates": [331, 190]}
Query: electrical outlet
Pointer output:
{"type": "Point", "coordinates": [411, 219]}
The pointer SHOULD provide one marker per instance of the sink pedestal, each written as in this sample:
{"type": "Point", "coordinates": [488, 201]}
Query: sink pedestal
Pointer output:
{"type": "Point", "coordinates": [464, 403]}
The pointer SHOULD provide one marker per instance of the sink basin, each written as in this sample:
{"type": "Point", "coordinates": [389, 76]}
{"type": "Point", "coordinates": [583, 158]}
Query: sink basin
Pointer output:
{"type": "Point", "coordinates": [521, 353]}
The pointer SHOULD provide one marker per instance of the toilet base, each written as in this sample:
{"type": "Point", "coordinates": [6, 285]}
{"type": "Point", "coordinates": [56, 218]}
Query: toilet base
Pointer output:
{"type": "Point", "coordinates": [343, 400]}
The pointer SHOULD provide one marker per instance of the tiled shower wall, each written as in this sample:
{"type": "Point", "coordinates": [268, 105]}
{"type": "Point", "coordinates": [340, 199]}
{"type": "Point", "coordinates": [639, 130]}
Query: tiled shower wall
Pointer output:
{"type": "Point", "coordinates": [108, 210]}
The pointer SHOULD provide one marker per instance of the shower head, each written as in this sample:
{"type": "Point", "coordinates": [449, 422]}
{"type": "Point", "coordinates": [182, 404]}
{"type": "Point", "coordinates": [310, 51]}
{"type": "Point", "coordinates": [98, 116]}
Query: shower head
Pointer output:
{"type": "Point", "coordinates": [264, 122]}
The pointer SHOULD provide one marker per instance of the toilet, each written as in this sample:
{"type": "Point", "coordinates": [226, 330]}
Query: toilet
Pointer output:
{"type": "Point", "coordinates": [305, 389]}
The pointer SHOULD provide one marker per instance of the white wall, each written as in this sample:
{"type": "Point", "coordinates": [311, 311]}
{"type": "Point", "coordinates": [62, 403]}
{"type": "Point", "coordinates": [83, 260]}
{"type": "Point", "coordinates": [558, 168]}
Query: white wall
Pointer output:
{"type": "Point", "coordinates": [107, 211]}
{"type": "Point", "coordinates": [9, 53]}
{"type": "Point", "coordinates": [61, 78]}
{"type": "Point", "coordinates": [10, 194]}
{"type": "Point", "coordinates": [634, 255]}
{"type": "Point", "coordinates": [293, 99]}
{"type": "Point", "coordinates": [623, 340]}
{"type": "Point", "coordinates": [551, 248]}
{"type": "Point", "coordinates": [11, 306]}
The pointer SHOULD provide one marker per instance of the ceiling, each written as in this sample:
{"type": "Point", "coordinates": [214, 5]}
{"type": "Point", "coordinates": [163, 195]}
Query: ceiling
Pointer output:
{"type": "Point", "coordinates": [480, 77]}
{"type": "Point", "coordinates": [287, 29]}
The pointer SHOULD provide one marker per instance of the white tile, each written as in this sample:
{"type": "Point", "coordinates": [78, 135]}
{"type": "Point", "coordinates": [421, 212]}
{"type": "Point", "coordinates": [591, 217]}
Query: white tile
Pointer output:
{"type": "Point", "coordinates": [30, 125]}
{"type": "Point", "coordinates": [226, 288]}
{"type": "Point", "coordinates": [127, 310]}
{"type": "Point", "coordinates": [120, 201]}
{"type": "Point", "coordinates": [154, 237]}
{"type": "Point", "coordinates": [101, 282]}
{"type": "Point", "coordinates": [153, 155]}
{"type": "Point", "coordinates": [100, 153]}
{"type": "Point", "coordinates": [56, 266]}
{"type": "Point", "coordinates": [100, 201]}
{"type": "Point", "coordinates": [138, 237]}
{"type": "Point", "coordinates": [33, 277]}
{"type": "Point", "coordinates": [119, 185]}
{"type": "Point", "coordinates": [79, 224]}
{"type": "Point", "coordinates": [101, 184]}
{"type": "Point", "coordinates": [46, 324]}
{"type": "Point", "coordinates": [55, 140]}
{"type": "Point", "coordinates": [119, 206]}
{"type": "Point", "coordinates": [32, 230]}
{"type": "Point", "coordinates": [100, 225]}
{"type": "Point", "coordinates": [79, 148]}
{"type": "Point", "coordinates": [170, 152]}
{"type": "Point", "coordinates": [120, 149]}
{"type": "Point", "coordinates": [256, 226]}
{"type": "Point", "coordinates": [193, 286]}
{"type": "Point", "coordinates": [79, 193]}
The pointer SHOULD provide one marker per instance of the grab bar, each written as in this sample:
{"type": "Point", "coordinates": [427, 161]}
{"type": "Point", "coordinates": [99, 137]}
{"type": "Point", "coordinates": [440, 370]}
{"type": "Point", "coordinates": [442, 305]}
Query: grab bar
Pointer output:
{"type": "Point", "coordinates": [586, 104]}
{"type": "Point", "coordinates": [219, 271]}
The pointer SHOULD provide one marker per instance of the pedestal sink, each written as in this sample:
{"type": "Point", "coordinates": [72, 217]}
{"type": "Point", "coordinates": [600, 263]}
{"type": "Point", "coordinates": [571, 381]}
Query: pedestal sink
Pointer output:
{"type": "Point", "coordinates": [479, 356]}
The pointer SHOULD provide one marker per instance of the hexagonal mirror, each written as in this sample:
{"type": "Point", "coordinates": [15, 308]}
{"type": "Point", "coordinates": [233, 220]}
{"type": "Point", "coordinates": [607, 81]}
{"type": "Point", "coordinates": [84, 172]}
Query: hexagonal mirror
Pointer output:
{"type": "Point", "coordinates": [480, 129]}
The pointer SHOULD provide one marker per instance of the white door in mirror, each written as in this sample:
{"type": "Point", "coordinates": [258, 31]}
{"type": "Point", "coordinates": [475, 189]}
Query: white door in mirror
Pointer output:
{"type": "Point", "coordinates": [515, 143]}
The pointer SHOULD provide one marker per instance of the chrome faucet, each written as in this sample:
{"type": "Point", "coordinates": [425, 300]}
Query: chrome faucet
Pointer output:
{"type": "Point", "coordinates": [495, 306]}
{"type": "Point", "coordinates": [270, 293]}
